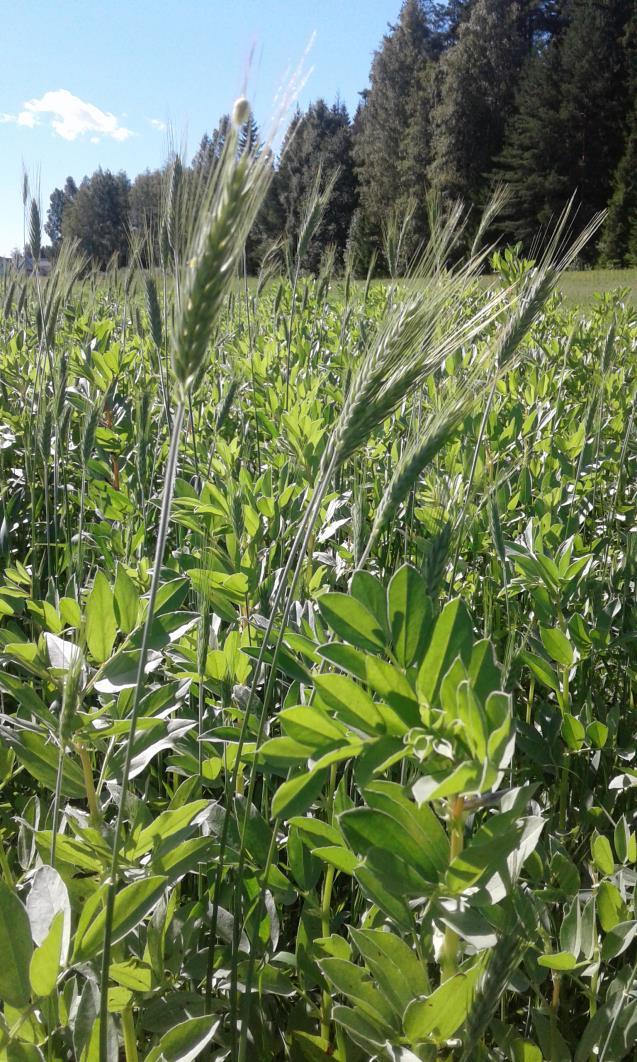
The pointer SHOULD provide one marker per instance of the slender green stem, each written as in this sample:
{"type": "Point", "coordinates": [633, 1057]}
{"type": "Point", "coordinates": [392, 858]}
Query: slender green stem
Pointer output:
{"type": "Point", "coordinates": [449, 952]}
{"type": "Point", "coordinates": [171, 471]}
{"type": "Point", "coordinates": [130, 1037]}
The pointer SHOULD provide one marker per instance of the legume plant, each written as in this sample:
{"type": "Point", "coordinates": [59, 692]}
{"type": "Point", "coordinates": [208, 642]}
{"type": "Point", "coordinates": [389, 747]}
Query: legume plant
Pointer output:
{"type": "Point", "coordinates": [317, 656]}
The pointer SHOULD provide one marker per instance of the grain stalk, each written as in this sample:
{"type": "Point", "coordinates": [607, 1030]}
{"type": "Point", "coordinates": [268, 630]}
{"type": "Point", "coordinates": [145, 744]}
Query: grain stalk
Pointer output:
{"type": "Point", "coordinates": [225, 212]}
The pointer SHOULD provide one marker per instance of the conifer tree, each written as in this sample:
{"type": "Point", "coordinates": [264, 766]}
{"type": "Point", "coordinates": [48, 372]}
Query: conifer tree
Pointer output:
{"type": "Point", "coordinates": [322, 136]}
{"type": "Point", "coordinates": [475, 95]}
{"type": "Point", "coordinates": [567, 133]}
{"type": "Point", "coordinates": [392, 137]}
{"type": "Point", "coordinates": [60, 199]}
{"type": "Point", "coordinates": [618, 245]}
{"type": "Point", "coordinates": [98, 216]}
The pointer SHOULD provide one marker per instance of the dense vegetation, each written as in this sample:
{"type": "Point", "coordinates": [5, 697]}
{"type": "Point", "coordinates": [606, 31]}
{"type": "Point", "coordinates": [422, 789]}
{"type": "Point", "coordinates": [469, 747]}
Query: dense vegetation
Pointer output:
{"type": "Point", "coordinates": [539, 94]}
{"type": "Point", "coordinates": [317, 653]}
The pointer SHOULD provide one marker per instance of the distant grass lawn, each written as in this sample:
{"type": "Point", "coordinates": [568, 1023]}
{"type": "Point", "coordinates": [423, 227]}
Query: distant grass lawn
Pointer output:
{"type": "Point", "coordinates": [580, 288]}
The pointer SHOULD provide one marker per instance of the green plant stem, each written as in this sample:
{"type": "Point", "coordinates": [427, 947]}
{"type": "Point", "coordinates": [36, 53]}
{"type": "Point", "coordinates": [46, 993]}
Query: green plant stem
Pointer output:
{"type": "Point", "coordinates": [130, 1038]}
{"type": "Point", "coordinates": [297, 548]}
{"type": "Point", "coordinates": [326, 907]}
{"type": "Point", "coordinates": [297, 551]}
{"type": "Point", "coordinates": [89, 785]}
{"type": "Point", "coordinates": [56, 801]}
{"type": "Point", "coordinates": [4, 864]}
{"type": "Point", "coordinates": [529, 702]}
{"type": "Point", "coordinates": [449, 951]}
{"type": "Point", "coordinates": [171, 471]}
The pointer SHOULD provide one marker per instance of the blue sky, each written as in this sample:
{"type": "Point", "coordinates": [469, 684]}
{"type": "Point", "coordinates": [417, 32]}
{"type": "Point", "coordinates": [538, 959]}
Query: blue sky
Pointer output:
{"type": "Point", "coordinates": [85, 83]}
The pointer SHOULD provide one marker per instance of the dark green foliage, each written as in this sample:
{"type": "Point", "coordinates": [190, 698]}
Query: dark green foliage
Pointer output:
{"type": "Point", "coordinates": [567, 133]}
{"type": "Point", "coordinates": [475, 88]}
{"type": "Point", "coordinates": [413, 835]}
{"type": "Point", "coordinates": [320, 137]}
{"type": "Point", "coordinates": [392, 148]}
{"type": "Point", "coordinates": [145, 207]}
{"type": "Point", "coordinates": [537, 94]}
{"type": "Point", "coordinates": [619, 239]}
{"type": "Point", "coordinates": [210, 149]}
{"type": "Point", "coordinates": [61, 198]}
{"type": "Point", "coordinates": [98, 216]}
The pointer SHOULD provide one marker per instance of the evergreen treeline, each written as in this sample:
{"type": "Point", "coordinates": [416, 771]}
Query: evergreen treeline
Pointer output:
{"type": "Point", "coordinates": [538, 94]}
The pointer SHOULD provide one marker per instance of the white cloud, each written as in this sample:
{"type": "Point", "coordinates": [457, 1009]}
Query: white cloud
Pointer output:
{"type": "Point", "coordinates": [69, 117]}
{"type": "Point", "coordinates": [158, 124]}
{"type": "Point", "coordinates": [24, 118]}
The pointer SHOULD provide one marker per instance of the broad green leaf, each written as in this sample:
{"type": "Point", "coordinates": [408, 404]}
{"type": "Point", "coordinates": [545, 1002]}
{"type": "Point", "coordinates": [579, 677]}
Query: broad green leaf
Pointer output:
{"type": "Point", "coordinates": [439, 1016]}
{"type": "Point", "coordinates": [369, 590]}
{"type": "Point", "coordinates": [410, 615]}
{"type": "Point", "coordinates": [597, 733]}
{"type": "Point", "coordinates": [483, 670]}
{"type": "Point", "coordinates": [136, 976]}
{"type": "Point", "coordinates": [132, 904]}
{"type": "Point", "coordinates": [621, 838]}
{"type": "Point", "coordinates": [589, 929]}
{"type": "Point", "coordinates": [559, 960]}
{"type": "Point", "coordinates": [120, 672]}
{"type": "Point", "coordinates": [315, 833]}
{"type": "Point", "coordinates": [393, 905]}
{"type": "Point", "coordinates": [573, 732]}
{"type": "Point", "coordinates": [337, 856]}
{"type": "Point", "coordinates": [45, 961]}
{"type": "Point", "coordinates": [311, 727]}
{"type": "Point", "coordinates": [166, 824]}
{"type": "Point", "coordinates": [16, 949]}
{"type": "Point", "coordinates": [394, 965]}
{"type": "Point", "coordinates": [542, 670]}
{"type": "Point", "coordinates": [571, 929]}
{"type": "Point", "coordinates": [47, 898]}
{"type": "Point", "coordinates": [382, 677]}
{"type": "Point", "coordinates": [70, 612]}
{"type": "Point", "coordinates": [284, 752]}
{"type": "Point", "coordinates": [602, 854]}
{"type": "Point", "coordinates": [126, 601]}
{"type": "Point", "coordinates": [421, 822]}
{"type": "Point", "coordinates": [353, 981]}
{"type": "Point", "coordinates": [367, 828]}
{"type": "Point", "coordinates": [24, 694]}
{"type": "Point", "coordinates": [40, 758]}
{"type": "Point", "coordinates": [525, 1051]}
{"type": "Point", "coordinates": [618, 940]}
{"type": "Point", "coordinates": [485, 854]}
{"type": "Point", "coordinates": [452, 636]}
{"type": "Point", "coordinates": [75, 854]}
{"type": "Point", "coordinates": [360, 1028]}
{"type": "Point", "coordinates": [176, 859]}
{"type": "Point", "coordinates": [610, 906]}
{"type": "Point", "coordinates": [186, 1041]}
{"type": "Point", "coordinates": [352, 621]}
{"type": "Point", "coordinates": [101, 627]}
{"type": "Point", "coordinates": [257, 833]}
{"type": "Point", "coordinates": [297, 794]}
{"type": "Point", "coordinates": [350, 701]}
{"type": "Point", "coordinates": [557, 645]}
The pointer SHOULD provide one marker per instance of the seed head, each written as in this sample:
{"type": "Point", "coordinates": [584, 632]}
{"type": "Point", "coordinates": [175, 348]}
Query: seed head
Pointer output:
{"type": "Point", "coordinates": [240, 112]}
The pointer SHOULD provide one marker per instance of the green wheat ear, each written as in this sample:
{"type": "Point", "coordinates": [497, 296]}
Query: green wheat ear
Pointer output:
{"type": "Point", "coordinates": [228, 206]}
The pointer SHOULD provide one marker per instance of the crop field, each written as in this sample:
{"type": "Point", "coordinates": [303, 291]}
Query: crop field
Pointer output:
{"type": "Point", "coordinates": [317, 657]}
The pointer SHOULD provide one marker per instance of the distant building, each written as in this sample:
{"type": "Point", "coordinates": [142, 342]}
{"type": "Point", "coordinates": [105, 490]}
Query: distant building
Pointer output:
{"type": "Point", "coordinates": [26, 264]}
